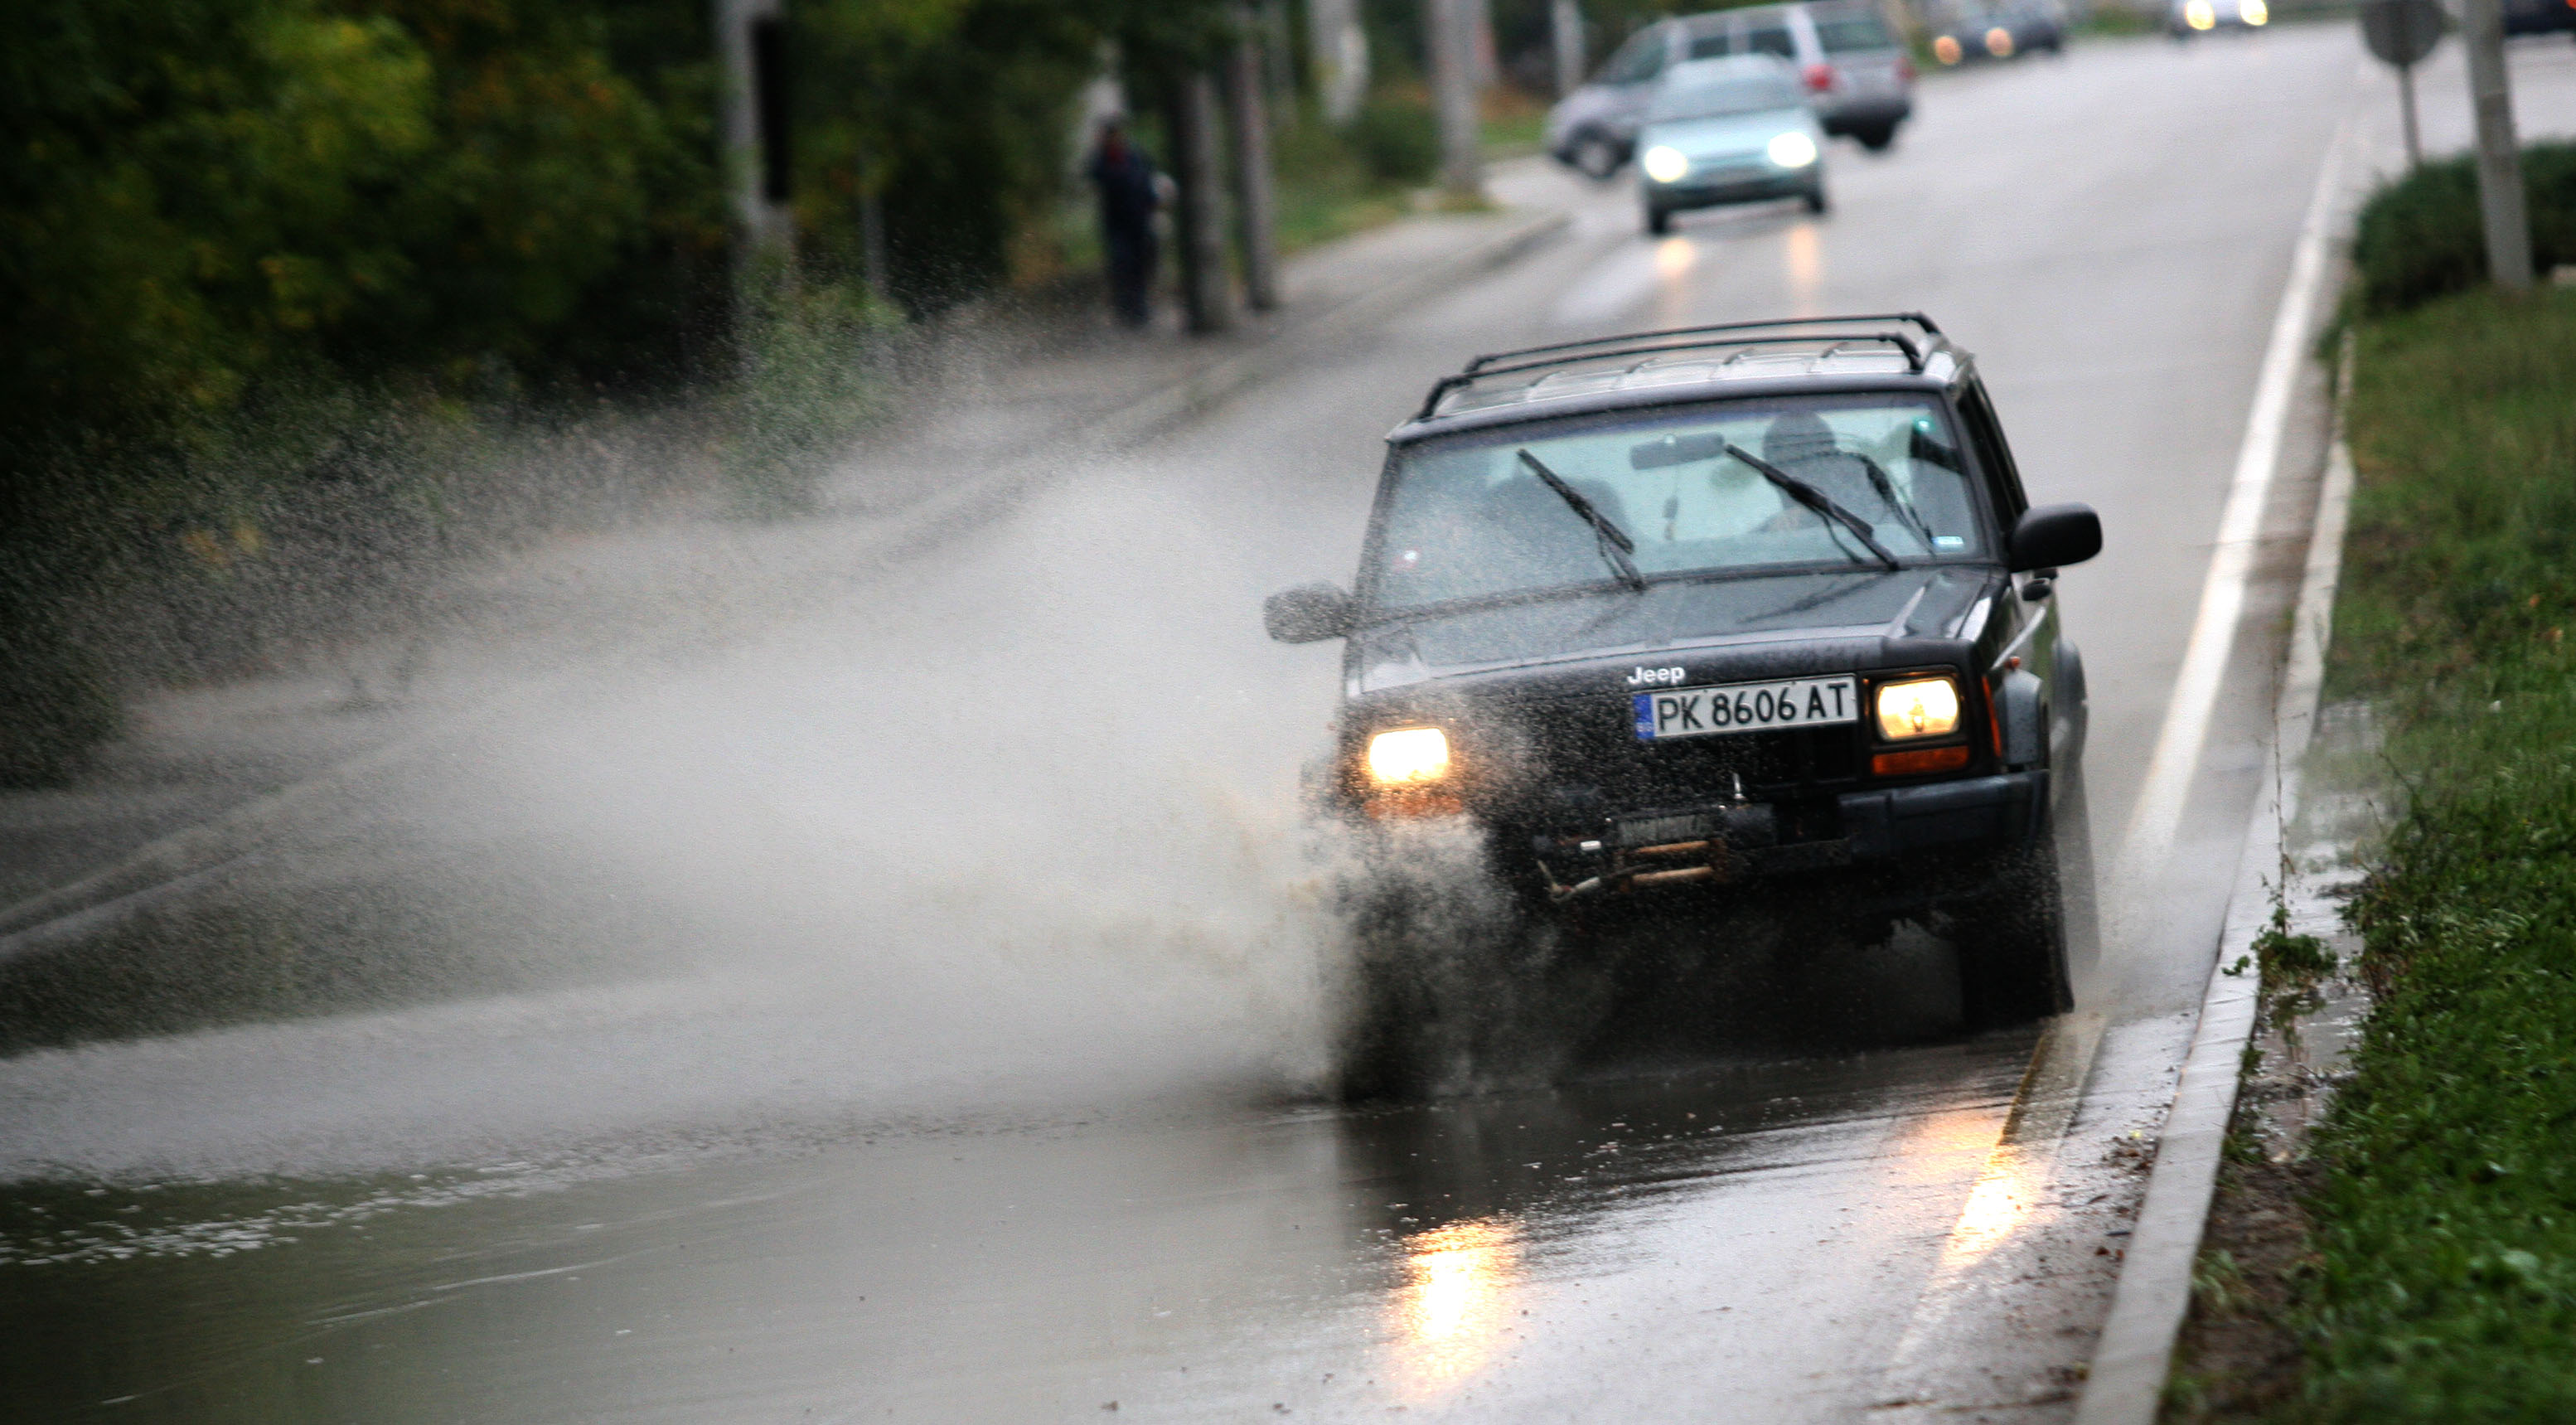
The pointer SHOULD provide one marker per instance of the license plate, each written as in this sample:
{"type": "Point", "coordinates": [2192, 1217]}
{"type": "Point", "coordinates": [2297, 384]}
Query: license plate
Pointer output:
{"type": "Point", "coordinates": [1746, 707]}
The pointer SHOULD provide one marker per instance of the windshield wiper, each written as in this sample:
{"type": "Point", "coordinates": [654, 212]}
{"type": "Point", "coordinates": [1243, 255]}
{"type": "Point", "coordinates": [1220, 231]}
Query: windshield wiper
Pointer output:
{"type": "Point", "coordinates": [1815, 499]}
{"type": "Point", "coordinates": [1613, 542]}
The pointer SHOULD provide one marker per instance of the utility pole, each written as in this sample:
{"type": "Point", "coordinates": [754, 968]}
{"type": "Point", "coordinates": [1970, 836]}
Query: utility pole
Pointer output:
{"type": "Point", "coordinates": [1565, 32]}
{"type": "Point", "coordinates": [1449, 34]}
{"type": "Point", "coordinates": [2499, 159]}
{"type": "Point", "coordinates": [1197, 220]}
{"type": "Point", "coordinates": [751, 45]}
{"type": "Point", "coordinates": [1248, 124]}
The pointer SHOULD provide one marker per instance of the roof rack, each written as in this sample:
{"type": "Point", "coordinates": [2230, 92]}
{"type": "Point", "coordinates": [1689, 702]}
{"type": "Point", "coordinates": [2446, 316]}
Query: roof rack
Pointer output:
{"type": "Point", "coordinates": [1914, 319]}
{"type": "Point", "coordinates": [1780, 332]}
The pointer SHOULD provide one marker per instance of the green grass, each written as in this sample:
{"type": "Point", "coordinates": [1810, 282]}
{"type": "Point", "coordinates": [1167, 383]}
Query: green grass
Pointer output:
{"type": "Point", "coordinates": [2443, 1285]}
{"type": "Point", "coordinates": [1332, 183]}
{"type": "Point", "coordinates": [1515, 135]}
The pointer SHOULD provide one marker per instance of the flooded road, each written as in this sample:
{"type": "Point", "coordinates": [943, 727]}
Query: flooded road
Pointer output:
{"type": "Point", "coordinates": [860, 1059]}
{"type": "Point", "coordinates": [1615, 1250]}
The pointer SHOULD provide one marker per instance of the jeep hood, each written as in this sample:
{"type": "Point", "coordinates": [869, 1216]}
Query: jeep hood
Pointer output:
{"type": "Point", "coordinates": [1931, 601]}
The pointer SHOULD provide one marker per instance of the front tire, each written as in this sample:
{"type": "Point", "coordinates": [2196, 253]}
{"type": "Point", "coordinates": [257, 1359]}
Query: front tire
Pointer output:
{"type": "Point", "coordinates": [2012, 940]}
{"type": "Point", "coordinates": [1876, 137]}
{"type": "Point", "coordinates": [1597, 157]}
{"type": "Point", "coordinates": [1659, 220]}
{"type": "Point", "coordinates": [1816, 200]}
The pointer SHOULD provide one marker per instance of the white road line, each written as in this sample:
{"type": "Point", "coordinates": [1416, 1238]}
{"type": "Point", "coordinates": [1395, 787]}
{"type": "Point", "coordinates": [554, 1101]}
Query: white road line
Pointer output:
{"type": "Point", "coordinates": [2125, 1384]}
{"type": "Point", "coordinates": [2158, 813]}
{"type": "Point", "coordinates": [1947, 1338]}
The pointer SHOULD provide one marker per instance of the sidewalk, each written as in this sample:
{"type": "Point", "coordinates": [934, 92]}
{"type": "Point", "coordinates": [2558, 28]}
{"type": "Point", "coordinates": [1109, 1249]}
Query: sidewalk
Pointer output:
{"type": "Point", "coordinates": [1014, 402]}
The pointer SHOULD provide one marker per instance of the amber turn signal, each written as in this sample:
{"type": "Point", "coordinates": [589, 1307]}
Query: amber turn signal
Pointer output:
{"type": "Point", "coordinates": [1911, 764]}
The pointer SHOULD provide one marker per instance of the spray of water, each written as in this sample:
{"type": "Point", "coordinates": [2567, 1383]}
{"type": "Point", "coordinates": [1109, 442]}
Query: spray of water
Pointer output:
{"type": "Point", "coordinates": [1006, 826]}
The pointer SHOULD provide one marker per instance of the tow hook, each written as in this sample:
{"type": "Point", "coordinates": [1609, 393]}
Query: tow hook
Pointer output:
{"type": "Point", "coordinates": [1712, 866]}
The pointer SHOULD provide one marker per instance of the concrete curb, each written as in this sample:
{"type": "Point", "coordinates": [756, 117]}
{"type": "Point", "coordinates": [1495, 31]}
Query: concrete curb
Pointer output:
{"type": "Point", "coordinates": [182, 860]}
{"type": "Point", "coordinates": [2135, 1355]}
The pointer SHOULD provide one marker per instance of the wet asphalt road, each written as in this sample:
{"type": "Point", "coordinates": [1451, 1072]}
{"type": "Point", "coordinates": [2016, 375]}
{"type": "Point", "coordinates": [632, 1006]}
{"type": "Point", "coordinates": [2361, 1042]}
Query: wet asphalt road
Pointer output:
{"type": "Point", "coordinates": [1017, 1126]}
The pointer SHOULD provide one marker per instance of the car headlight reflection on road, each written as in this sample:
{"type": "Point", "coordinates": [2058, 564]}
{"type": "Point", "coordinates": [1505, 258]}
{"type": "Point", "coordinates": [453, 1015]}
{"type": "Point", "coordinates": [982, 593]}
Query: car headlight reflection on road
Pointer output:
{"type": "Point", "coordinates": [1408, 757]}
{"type": "Point", "coordinates": [2200, 14]}
{"type": "Point", "coordinates": [2253, 12]}
{"type": "Point", "coordinates": [1665, 164]}
{"type": "Point", "coordinates": [1793, 150]}
{"type": "Point", "coordinates": [1918, 707]}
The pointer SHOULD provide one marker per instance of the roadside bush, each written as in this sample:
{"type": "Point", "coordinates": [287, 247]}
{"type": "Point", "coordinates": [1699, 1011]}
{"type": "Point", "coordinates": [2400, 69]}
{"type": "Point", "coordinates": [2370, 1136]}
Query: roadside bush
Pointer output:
{"type": "Point", "coordinates": [807, 392]}
{"type": "Point", "coordinates": [2421, 237]}
{"type": "Point", "coordinates": [1399, 142]}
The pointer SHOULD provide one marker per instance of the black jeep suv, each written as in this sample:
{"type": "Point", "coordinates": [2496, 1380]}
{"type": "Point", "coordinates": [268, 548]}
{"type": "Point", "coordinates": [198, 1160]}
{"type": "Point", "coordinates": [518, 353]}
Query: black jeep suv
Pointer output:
{"type": "Point", "coordinates": [1724, 606]}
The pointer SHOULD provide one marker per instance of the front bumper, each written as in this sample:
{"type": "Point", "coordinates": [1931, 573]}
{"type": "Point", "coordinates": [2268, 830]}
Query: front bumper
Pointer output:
{"type": "Point", "coordinates": [1695, 193]}
{"type": "Point", "coordinates": [1737, 842]}
{"type": "Point", "coordinates": [1864, 111]}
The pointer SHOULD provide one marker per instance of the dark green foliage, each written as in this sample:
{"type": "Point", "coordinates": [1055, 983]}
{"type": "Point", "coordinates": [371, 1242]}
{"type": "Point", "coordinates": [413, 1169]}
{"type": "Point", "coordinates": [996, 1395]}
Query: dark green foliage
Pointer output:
{"type": "Point", "coordinates": [2421, 237]}
{"type": "Point", "coordinates": [954, 113]}
{"type": "Point", "coordinates": [1399, 142]}
{"type": "Point", "coordinates": [2445, 1279]}
{"type": "Point", "coordinates": [280, 277]}
{"type": "Point", "coordinates": [57, 700]}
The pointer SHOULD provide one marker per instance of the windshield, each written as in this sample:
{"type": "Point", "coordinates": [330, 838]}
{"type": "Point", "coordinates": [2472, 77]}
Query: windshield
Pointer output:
{"type": "Point", "coordinates": [1738, 94]}
{"type": "Point", "coordinates": [1841, 34]}
{"type": "Point", "coordinates": [1468, 518]}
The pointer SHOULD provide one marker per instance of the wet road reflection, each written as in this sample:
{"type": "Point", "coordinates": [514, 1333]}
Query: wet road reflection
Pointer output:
{"type": "Point", "coordinates": [1454, 1306]}
{"type": "Point", "coordinates": [1440, 1257]}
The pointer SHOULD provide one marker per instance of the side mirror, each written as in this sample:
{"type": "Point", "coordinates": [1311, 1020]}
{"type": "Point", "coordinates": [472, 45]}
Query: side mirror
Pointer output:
{"type": "Point", "coordinates": [1307, 613]}
{"type": "Point", "coordinates": [2052, 536]}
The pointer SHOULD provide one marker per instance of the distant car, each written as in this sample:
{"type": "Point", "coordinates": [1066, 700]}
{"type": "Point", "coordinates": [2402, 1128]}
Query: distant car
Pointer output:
{"type": "Point", "coordinates": [1728, 131]}
{"type": "Point", "coordinates": [2538, 17]}
{"type": "Point", "coordinates": [1857, 77]}
{"type": "Point", "coordinates": [1970, 30]}
{"type": "Point", "coordinates": [2198, 17]}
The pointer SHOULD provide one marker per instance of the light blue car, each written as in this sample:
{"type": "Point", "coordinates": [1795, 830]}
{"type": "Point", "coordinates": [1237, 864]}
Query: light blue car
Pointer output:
{"type": "Point", "coordinates": [1734, 130]}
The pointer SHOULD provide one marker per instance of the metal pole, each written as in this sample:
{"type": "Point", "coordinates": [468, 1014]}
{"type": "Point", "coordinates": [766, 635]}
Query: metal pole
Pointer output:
{"type": "Point", "coordinates": [1565, 30]}
{"type": "Point", "coordinates": [1255, 215]}
{"type": "Point", "coordinates": [1449, 35]}
{"type": "Point", "coordinates": [1480, 44]}
{"type": "Point", "coordinates": [758, 220]}
{"type": "Point", "coordinates": [2499, 159]}
{"type": "Point", "coordinates": [751, 157]}
{"type": "Point", "coordinates": [2406, 109]}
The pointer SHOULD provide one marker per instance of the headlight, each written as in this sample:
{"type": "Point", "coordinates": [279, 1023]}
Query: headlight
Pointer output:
{"type": "Point", "coordinates": [2199, 14]}
{"type": "Point", "coordinates": [1665, 164]}
{"type": "Point", "coordinates": [2253, 12]}
{"type": "Point", "coordinates": [1918, 707]}
{"type": "Point", "coordinates": [1946, 49]}
{"type": "Point", "coordinates": [1999, 42]}
{"type": "Point", "coordinates": [1409, 757]}
{"type": "Point", "coordinates": [1793, 150]}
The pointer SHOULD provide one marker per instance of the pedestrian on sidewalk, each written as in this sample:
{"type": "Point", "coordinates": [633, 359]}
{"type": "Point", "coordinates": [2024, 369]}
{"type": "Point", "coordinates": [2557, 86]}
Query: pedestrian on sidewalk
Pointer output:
{"type": "Point", "coordinates": [1128, 198]}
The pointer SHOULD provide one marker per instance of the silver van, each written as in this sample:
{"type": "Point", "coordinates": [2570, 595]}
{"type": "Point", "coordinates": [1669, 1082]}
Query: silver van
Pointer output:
{"type": "Point", "coordinates": [1851, 60]}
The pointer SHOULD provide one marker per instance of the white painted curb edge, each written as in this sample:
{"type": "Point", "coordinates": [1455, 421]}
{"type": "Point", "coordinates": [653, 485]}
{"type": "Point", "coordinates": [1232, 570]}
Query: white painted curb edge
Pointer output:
{"type": "Point", "coordinates": [2135, 1355]}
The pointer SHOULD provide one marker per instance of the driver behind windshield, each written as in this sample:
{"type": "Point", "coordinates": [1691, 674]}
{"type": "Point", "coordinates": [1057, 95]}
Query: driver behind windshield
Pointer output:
{"type": "Point", "coordinates": [1470, 518]}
